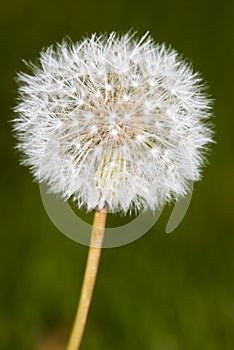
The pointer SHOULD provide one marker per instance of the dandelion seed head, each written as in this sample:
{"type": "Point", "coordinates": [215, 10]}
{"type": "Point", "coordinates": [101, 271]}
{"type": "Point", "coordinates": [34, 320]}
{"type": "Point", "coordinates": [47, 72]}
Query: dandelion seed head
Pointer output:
{"type": "Point", "coordinates": [113, 120]}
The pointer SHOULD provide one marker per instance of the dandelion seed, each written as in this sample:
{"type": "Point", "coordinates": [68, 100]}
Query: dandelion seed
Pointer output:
{"type": "Point", "coordinates": [114, 132]}
{"type": "Point", "coordinates": [53, 97]}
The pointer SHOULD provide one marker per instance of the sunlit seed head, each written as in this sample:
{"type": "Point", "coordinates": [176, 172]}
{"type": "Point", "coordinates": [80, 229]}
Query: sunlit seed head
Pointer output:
{"type": "Point", "coordinates": [113, 120]}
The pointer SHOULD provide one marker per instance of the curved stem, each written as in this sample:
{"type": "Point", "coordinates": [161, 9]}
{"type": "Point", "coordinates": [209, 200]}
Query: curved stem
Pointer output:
{"type": "Point", "coordinates": [97, 236]}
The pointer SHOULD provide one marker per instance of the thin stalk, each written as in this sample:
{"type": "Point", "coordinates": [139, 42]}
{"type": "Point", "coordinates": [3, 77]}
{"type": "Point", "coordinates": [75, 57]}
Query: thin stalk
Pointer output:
{"type": "Point", "coordinates": [96, 241]}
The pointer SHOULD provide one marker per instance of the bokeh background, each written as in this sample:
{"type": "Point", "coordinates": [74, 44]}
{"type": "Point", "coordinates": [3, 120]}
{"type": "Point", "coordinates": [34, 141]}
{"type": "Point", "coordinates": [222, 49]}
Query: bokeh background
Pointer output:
{"type": "Point", "coordinates": [162, 292]}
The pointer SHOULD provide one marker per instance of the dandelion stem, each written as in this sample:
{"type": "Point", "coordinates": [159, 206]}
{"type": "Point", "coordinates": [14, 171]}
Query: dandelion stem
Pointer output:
{"type": "Point", "coordinates": [96, 241]}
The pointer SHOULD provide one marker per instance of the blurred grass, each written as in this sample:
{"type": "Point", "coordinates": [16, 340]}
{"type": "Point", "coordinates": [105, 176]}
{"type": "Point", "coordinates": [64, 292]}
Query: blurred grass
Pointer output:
{"type": "Point", "coordinates": [162, 292]}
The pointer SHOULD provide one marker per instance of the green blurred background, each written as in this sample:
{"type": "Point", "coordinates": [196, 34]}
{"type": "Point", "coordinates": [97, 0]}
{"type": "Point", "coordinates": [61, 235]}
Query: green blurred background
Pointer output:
{"type": "Point", "coordinates": [162, 292]}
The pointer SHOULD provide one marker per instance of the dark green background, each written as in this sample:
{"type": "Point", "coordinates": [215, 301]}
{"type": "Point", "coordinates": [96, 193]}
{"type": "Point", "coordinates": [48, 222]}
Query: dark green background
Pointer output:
{"type": "Point", "coordinates": [162, 292]}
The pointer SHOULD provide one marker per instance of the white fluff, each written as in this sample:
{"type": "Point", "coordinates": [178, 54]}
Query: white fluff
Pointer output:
{"type": "Point", "coordinates": [113, 121]}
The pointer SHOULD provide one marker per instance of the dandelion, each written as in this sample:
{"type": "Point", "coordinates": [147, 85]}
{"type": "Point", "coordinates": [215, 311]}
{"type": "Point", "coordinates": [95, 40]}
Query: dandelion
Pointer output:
{"type": "Point", "coordinates": [116, 124]}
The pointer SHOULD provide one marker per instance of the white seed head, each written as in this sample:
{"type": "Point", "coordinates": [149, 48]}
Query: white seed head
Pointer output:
{"type": "Point", "coordinates": [114, 121]}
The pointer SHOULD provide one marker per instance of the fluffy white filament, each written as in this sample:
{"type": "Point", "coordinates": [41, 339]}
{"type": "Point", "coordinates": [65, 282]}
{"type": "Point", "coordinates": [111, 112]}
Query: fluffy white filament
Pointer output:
{"type": "Point", "coordinates": [113, 121]}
